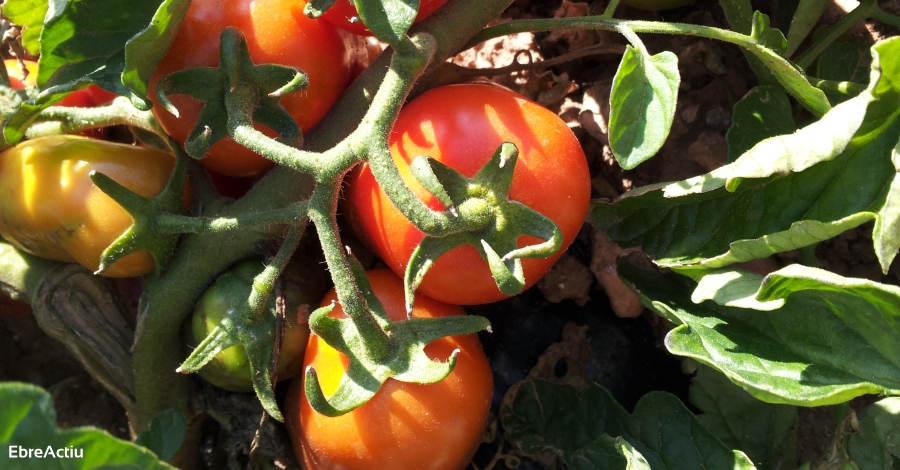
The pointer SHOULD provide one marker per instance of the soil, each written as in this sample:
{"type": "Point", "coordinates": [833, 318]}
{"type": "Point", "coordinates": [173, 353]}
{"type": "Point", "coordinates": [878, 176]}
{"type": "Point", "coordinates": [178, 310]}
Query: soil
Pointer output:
{"type": "Point", "coordinates": [626, 355]}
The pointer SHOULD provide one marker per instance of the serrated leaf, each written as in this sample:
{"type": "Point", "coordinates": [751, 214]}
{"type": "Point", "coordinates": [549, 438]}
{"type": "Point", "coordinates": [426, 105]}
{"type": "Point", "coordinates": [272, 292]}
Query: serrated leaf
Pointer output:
{"type": "Point", "coordinates": [877, 445]}
{"type": "Point", "coordinates": [834, 339]}
{"type": "Point", "coordinates": [544, 418]}
{"type": "Point", "coordinates": [165, 436]}
{"type": "Point", "coordinates": [765, 111]}
{"type": "Point", "coordinates": [642, 105]}
{"type": "Point", "coordinates": [28, 421]}
{"type": "Point", "coordinates": [831, 183]}
{"type": "Point", "coordinates": [30, 15]}
{"type": "Point", "coordinates": [763, 431]}
{"type": "Point", "coordinates": [806, 16]}
{"type": "Point", "coordinates": [388, 20]}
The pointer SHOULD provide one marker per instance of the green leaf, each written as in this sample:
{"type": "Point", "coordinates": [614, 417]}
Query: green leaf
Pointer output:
{"type": "Point", "coordinates": [763, 431]}
{"type": "Point", "coordinates": [732, 288]}
{"type": "Point", "coordinates": [765, 111]}
{"type": "Point", "coordinates": [787, 75]}
{"type": "Point", "coordinates": [806, 187]}
{"type": "Point", "coordinates": [28, 421]}
{"type": "Point", "coordinates": [165, 436]}
{"type": "Point", "coordinates": [145, 50]}
{"type": "Point", "coordinates": [844, 62]}
{"type": "Point", "coordinates": [877, 445]}
{"type": "Point", "coordinates": [806, 16]}
{"type": "Point", "coordinates": [574, 426]}
{"type": "Point", "coordinates": [30, 15]}
{"type": "Point", "coordinates": [388, 20]}
{"type": "Point", "coordinates": [642, 105]}
{"type": "Point", "coordinates": [834, 339]}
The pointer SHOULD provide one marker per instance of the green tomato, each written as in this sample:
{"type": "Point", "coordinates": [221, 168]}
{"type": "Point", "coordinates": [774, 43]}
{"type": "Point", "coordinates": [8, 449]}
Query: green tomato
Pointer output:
{"type": "Point", "coordinates": [304, 283]}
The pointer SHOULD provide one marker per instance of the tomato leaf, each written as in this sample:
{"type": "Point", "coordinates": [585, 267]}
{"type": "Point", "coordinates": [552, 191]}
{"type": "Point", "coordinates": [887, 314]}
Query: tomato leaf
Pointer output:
{"type": "Point", "coordinates": [832, 175]}
{"type": "Point", "coordinates": [834, 339]}
{"type": "Point", "coordinates": [642, 105]}
{"type": "Point", "coordinates": [844, 61]}
{"type": "Point", "coordinates": [29, 14]}
{"type": "Point", "coordinates": [28, 421]}
{"type": "Point", "coordinates": [765, 432]}
{"type": "Point", "coordinates": [877, 445]}
{"type": "Point", "coordinates": [574, 426]}
{"type": "Point", "coordinates": [388, 20]}
{"type": "Point", "coordinates": [772, 41]}
{"type": "Point", "coordinates": [805, 17]}
{"type": "Point", "coordinates": [765, 111]}
{"type": "Point", "coordinates": [165, 436]}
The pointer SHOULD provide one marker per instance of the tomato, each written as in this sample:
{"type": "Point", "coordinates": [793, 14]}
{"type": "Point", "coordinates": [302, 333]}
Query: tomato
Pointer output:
{"type": "Point", "coordinates": [344, 15]}
{"type": "Point", "coordinates": [50, 208]}
{"type": "Point", "coordinates": [657, 5]}
{"type": "Point", "coordinates": [277, 32]}
{"type": "Point", "coordinates": [462, 126]}
{"type": "Point", "coordinates": [84, 98]}
{"type": "Point", "coordinates": [405, 425]}
{"type": "Point", "coordinates": [230, 369]}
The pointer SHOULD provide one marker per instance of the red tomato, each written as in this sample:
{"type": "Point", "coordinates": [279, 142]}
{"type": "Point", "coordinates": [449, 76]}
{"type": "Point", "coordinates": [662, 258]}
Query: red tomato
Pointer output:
{"type": "Point", "coordinates": [405, 425]}
{"type": "Point", "coordinates": [277, 32]}
{"type": "Point", "coordinates": [344, 15]}
{"type": "Point", "coordinates": [84, 98]}
{"type": "Point", "coordinates": [462, 126]}
{"type": "Point", "coordinates": [12, 308]}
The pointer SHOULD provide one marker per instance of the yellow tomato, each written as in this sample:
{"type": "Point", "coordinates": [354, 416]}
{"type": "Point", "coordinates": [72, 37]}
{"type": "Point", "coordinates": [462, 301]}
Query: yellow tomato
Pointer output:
{"type": "Point", "coordinates": [50, 208]}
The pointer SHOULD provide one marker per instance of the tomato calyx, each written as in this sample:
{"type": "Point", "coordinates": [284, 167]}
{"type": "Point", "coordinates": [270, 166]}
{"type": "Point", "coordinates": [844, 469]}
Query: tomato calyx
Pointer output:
{"type": "Point", "coordinates": [145, 233]}
{"type": "Point", "coordinates": [388, 21]}
{"type": "Point", "coordinates": [252, 325]}
{"type": "Point", "coordinates": [404, 359]}
{"type": "Point", "coordinates": [494, 222]}
{"type": "Point", "coordinates": [260, 88]}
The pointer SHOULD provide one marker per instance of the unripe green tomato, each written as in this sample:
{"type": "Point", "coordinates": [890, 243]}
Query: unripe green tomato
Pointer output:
{"type": "Point", "coordinates": [657, 5]}
{"type": "Point", "coordinates": [304, 285]}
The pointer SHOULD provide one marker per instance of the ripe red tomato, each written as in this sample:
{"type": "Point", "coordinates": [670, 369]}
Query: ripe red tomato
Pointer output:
{"type": "Point", "coordinates": [462, 126]}
{"type": "Point", "coordinates": [84, 98]}
{"type": "Point", "coordinates": [344, 15]}
{"type": "Point", "coordinates": [277, 32]}
{"type": "Point", "coordinates": [405, 425]}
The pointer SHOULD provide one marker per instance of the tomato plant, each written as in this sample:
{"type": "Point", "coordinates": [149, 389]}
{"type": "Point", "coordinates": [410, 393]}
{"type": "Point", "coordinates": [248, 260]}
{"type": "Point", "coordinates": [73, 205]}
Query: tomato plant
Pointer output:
{"type": "Point", "coordinates": [286, 38]}
{"type": "Point", "coordinates": [84, 98]}
{"type": "Point", "coordinates": [461, 126]}
{"type": "Point", "coordinates": [344, 15]}
{"type": "Point", "coordinates": [657, 5]}
{"type": "Point", "coordinates": [406, 425]}
{"type": "Point", "coordinates": [50, 208]}
{"type": "Point", "coordinates": [230, 369]}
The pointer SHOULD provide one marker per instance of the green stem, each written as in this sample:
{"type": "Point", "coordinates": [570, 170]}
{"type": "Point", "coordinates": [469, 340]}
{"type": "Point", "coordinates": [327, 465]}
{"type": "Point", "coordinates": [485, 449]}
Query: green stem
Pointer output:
{"type": "Point", "coordinates": [173, 223]}
{"type": "Point", "coordinates": [322, 213]}
{"type": "Point", "coordinates": [600, 23]}
{"type": "Point", "coordinates": [264, 282]}
{"type": "Point", "coordinates": [21, 274]}
{"type": "Point", "coordinates": [610, 9]}
{"type": "Point", "coordinates": [57, 120]}
{"type": "Point", "coordinates": [865, 10]}
{"type": "Point", "coordinates": [884, 17]}
{"type": "Point", "coordinates": [844, 88]}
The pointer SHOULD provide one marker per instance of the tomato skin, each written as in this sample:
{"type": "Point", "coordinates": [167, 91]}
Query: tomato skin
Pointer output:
{"type": "Point", "coordinates": [405, 425]}
{"type": "Point", "coordinates": [50, 208]}
{"type": "Point", "coordinates": [342, 11]}
{"type": "Point", "coordinates": [230, 369]}
{"type": "Point", "coordinates": [84, 98]}
{"type": "Point", "coordinates": [276, 31]}
{"type": "Point", "coordinates": [462, 126]}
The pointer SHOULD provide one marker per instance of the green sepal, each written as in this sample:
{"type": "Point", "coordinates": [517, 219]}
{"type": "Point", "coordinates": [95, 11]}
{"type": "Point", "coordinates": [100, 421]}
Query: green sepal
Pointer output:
{"type": "Point", "coordinates": [212, 84]}
{"type": "Point", "coordinates": [143, 234]}
{"type": "Point", "coordinates": [388, 20]}
{"type": "Point", "coordinates": [405, 361]}
{"type": "Point", "coordinates": [494, 223]}
{"type": "Point", "coordinates": [317, 8]}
